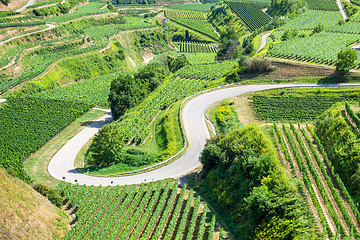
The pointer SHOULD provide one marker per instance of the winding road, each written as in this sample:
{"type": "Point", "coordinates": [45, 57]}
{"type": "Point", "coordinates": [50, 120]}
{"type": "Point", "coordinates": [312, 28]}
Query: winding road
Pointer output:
{"type": "Point", "coordinates": [50, 26]}
{"type": "Point", "coordinates": [62, 164]}
{"type": "Point", "coordinates": [31, 2]}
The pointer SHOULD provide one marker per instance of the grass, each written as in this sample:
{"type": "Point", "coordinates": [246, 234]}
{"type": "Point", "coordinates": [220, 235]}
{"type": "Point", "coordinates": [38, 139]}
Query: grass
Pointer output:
{"type": "Point", "coordinates": [36, 164]}
{"type": "Point", "coordinates": [25, 214]}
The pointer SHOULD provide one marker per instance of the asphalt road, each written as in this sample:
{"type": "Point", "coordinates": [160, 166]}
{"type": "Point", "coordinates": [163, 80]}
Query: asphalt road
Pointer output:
{"type": "Point", "coordinates": [62, 164]}
{"type": "Point", "coordinates": [263, 41]}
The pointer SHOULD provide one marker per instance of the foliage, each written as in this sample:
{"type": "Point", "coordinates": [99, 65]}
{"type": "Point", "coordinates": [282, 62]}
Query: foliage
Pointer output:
{"type": "Point", "coordinates": [350, 9]}
{"type": "Point", "coordinates": [22, 24]}
{"type": "Point", "coordinates": [60, 8]}
{"type": "Point", "coordinates": [341, 146]}
{"type": "Point", "coordinates": [346, 61]}
{"type": "Point", "coordinates": [289, 34]}
{"type": "Point", "coordinates": [183, 14]}
{"type": "Point", "coordinates": [156, 40]}
{"type": "Point", "coordinates": [199, 58]}
{"type": "Point", "coordinates": [106, 147]}
{"type": "Point", "coordinates": [255, 65]}
{"type": "Point", "coordinates": [310, 18]}
{"type": "Point", "coordinates": [227, 118]}
{"type": "Point", "coordinates": [322, 5]}
{"type": "Point", "coordinates": [193, 47]}
{"type": "Point", "coordinates": [209, 71]}
{"type": "Point", "coordinates": [95, 91]}
{"type": "Point", "coordinates": [192, 7]}
{"type": "Point", "coordinates": [131, 213]}
{"type": "Point", "coordinates": [250, 13]}
{"type": "Point", "coordinates": [25, 127]}
{"type": "Point", "coordinates": [223, 18]}
{"type": "Point", "coordinates": [181, 33]}
{"type": "Point", "coordinates": [289, 8]}
{"type": "Point", "coordinates": [201, 26]}
{"type": "Point", "coordinates": [89, 9]}
{"type": "Point", "coordinates": [176, 63]}
{"type": "Point", "coordinates": [278, 108]}
{"type": "Point", "coordinates": [242, 174]}
{"type": "Point", "coordinates": [127, 91]}
{"type": "Point", "coordinates": [321, 48]}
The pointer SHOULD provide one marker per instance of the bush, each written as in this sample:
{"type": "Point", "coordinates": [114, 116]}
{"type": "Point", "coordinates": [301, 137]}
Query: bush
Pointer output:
{"type": "Point", "coordinates": [258, 65]}
{"type": "Point", "coordinates": [41, 188]}
{"type": "Point", "coordinates": [55, 198]}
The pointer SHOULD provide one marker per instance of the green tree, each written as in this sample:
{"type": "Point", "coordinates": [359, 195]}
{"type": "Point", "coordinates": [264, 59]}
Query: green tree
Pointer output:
{"type": "Point", "coordinates": [124, 94]}
{"type": "Point", "coordinates": [346, 61]}
{"type": "Point", "coordinates": [106, 146]}
{"type": "Point", "coordinates": [175, 63]}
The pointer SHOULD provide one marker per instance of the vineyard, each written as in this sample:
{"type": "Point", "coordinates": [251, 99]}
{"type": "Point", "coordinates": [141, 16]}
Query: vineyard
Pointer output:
{"type": "Point", "coordinates": [321, 48]}
{"type": "Point", "coordinates": [350, 27]}
{"type": "Point", "coordinates": [311, 18]}
{"type": "Point", "coordinates": [94, 91]}
{"type": "Point", "coordinates": [135, 124]}
{"type": "Point", "coordinates": [209, 71]}
{"type": "Point", "coordinates": [193, 47]}
{"type": "Point", "coordinates": [90, 9]}
{"type": "Point", "coordinates": [200, 58]}
{"type": "Point", "coordinates": [250, 13]}
{"type": "Point", "coordinates": [25, 127]}
{"type": "Point", "coordinates": [282, 108]}
{"type": "Point", "coordinates": [322, 5]}
{"type": "Point", "coordinates": [151, 212]}
{"type": "Point", "coordinates": [184, 14]}
{"type": "Point", "coordinates": [337, 216]}
{"type": "Point", "coordinates": [201, 26]}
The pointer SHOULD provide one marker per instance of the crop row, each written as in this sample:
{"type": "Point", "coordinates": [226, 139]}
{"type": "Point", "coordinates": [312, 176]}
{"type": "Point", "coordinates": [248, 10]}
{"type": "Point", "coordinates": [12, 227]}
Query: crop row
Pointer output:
{"type": "Point", "coordinates": [116, 213]}
{"type": "Point", "coordinates": [307, 180]}
{"type": "Point", "coordinates": [25, 127]}
{"type": "Point", "coordinates": [39, 60]}
{"type": "Point", "coordinates": [184, 14]}
{"type": "Point", "coordinates": [134, 124]}
{"type": "Point", "coordinates": [95, 91]}
{"type": "Point", "coordinates": [349, 27]}
{"type": "Point", "coordinates": [330, 184]}
{"type": "Point", "coordinates": [322, 5]}
{"type": "Point", "coordinates": [321, 48]}
{"type": "Point", "coordinates": [194, 47]}
{"type": "Point", "coordinates": [22, 24]}
{"type": "Point", "coordinates": [352, 115]}
{"type": "Point", "coordinates": [336, 176]}
{"type": "Point", "coordinates": [320, 184]}
{"type": "Point", "coordinates": [311, 18]}
{"type": "Point", "coordinates": [200, 58]}
{"type": "Point", "coordinates": [210, 71]}
{"type": "Point", "coordinates": [250, 13]}
{"type": "Point", "coordinates": [277, 108]}
{"type": "Point", "coordinates": [201, 26]}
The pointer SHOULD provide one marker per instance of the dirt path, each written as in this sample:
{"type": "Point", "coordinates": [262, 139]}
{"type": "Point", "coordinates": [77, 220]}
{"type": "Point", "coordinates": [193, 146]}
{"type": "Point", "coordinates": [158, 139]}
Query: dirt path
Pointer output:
{"type": "Point", "coordinates": [31, 2]}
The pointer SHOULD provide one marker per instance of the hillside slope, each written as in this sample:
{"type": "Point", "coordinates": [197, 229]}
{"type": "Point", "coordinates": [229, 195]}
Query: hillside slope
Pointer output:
{"type": "Point", "coordinates": [25, 214]}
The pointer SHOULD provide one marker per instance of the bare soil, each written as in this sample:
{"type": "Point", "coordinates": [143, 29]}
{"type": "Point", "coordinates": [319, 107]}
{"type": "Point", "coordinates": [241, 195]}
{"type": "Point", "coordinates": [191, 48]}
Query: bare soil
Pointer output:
{"type": "Point", "coordinates": [15, 4]}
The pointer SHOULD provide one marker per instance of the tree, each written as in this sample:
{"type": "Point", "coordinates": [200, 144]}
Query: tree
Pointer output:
{"type": "Point", "coordinates": [124, 94]}
{"type": "Point", "coordinates": [106, 146]}
{"type": "Point", "coordinates": [178, 62]}
{"type": "Point", "coordinates": [346, 61]}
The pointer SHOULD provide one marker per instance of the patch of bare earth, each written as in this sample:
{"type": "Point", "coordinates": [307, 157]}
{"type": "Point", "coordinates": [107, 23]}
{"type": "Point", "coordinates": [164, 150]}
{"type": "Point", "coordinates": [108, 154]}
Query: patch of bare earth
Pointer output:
{"type": "Point", "coordinates": [15, 4]}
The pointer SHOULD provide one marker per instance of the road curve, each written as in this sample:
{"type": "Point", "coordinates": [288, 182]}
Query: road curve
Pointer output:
{"type": "Point", "coordinates": [50, 26]}
{"type": "Point", "coordinates": [263, 41]}
{"type": "Point", "coordinates": [62, 164]}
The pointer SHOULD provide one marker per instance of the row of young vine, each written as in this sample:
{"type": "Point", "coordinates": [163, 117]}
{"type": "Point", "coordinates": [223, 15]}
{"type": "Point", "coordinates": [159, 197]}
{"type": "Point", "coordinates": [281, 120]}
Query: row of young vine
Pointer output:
{"type": "Point", "coordinates": [122, 213]}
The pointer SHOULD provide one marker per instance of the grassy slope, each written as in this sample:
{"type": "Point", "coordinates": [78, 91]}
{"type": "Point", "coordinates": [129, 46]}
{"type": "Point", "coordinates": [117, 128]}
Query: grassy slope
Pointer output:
{"type": "Point", "coordinates": [25, 214]}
